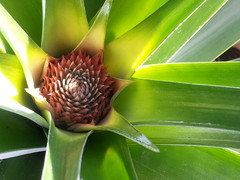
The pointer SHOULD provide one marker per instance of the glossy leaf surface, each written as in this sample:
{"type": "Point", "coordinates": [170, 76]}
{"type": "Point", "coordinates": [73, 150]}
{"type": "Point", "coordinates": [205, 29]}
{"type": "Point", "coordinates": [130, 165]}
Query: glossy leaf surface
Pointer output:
{"type": "Point", "coordinates": [125, 54]}
{"type": "Point", "coordinates": [181, 34]}
{"type": "Point", "coordinates": [222, 74]}
{"type": "Point", "coordinates": [93, 42]}
{"type": "Point", "coordinates": [92, 7]}
{"type": "Point", "coordinates": [194, 135]}
{"type": "Point", "coordinates": [12, 76]}
{"type": "Point", "coordinates": [28, 15]}
{"type": "Point", "coordinates": [31, 56]}
{"type": "Point", "coordinates": [115, 123]}
{"type": "Point", "coordinates": [2, 45]}
{"type": "Point", "coordinates": [64, 25]}
{"type": "Point", "coordinates": [64, 154]}
{"type": "Point", "coordinates": [106, 154]}
{"type": "Point", "coordinates": [176, 162]}
{"type": "Point", "coordinates": [126, 14]}
{"type": "Point", "coordinates": [9, 104]}
{"type": "Point", "coordinates": [174, 107]}
{"type": "Point", "coordinates": [19, 135]}
{"type": "Point", "coordinates": [221, 32]}
{"type": "Point", "coordinates": [19, 167]}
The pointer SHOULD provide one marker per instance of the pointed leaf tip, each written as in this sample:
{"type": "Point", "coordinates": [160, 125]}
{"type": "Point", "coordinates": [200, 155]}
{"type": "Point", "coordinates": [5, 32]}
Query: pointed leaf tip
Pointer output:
{"type": "Point", "coordinates": [115, 123]}
{"type": "Point", "coordinates": [93, 42]}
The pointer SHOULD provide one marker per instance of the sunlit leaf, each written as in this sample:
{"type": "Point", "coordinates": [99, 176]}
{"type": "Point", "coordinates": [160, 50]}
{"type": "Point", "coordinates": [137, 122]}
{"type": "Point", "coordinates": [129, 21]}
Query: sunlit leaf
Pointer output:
{"type": "Point", "coordinates": [64, 154]}
{"type": "Point", "coordinates": [156, 102]}
{"type": "Point", "coordinates": [28, 15]}
{"type": "Point", "coordinates": [181, 34]}
{"type": "Point", "coordinates": [10, 105]}
{"type": "Point", "coordinates": [64, 25]}
{"type": "Point", "coordinates": [195, 135]}
{"type": "Point", "coordinates": [12, 76]}
{"type": "Point", "coordinates": [166, 25]}
{"type": "Point", "coordinates": [114, 122]}
{"type": "Point", "coordinates": [176, 162]}
{"type": "Point", "coordinates": [2, 45]}
{"type": "Point", "coordinates": [30, 55]}
{"type": "Point", "coordinates": [221, 32]}
{"type": "Point", "coordinates": [208, 115]}
{"type": "Point", "coordinates": [93, 42]}
{"type": "Point", "coordinates": [127, 14]}
{"type": "Point", "coordinates": [222, 74]}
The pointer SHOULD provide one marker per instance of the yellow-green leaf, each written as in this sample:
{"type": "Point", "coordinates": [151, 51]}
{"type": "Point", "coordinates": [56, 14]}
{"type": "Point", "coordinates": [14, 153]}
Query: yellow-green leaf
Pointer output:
{"type": "Point", "coordinates": [31, 56]}
{"type": "Point", "coordinates": [93, 42]}
{"type": "Point", "coordinates": [64, 25]}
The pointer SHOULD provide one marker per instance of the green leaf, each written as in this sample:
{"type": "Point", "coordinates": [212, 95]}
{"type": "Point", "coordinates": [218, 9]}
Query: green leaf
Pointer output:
{"type": "Point", "coordinates": [10, 105]}
{"type": "Point", "coordinates": [174, 107]}
{"type": "Point", "coordinates": [178, 103]}
{"type": "Point", "coordinates": [30, 55]}
{"type": "Point", "coordinates": [92, 7]}
{"type": "Point", "coordinates": [176, 162]}
{"type": "Point", "coordinates": [19, 136]}
{"type": "Point", "coordinates": [2, 45]}
{"type": "Point", "coordinates": [64, 154]}
{"type": "Point", "coordinates": [194, 135]}
{"type": "Point", "coordinates": [12, 76]}
{"type": "Point", "coordinates": [28, 15]}
{"type": "Point", "coordinates": [127, 14]}
{"type": "Point", "coordinates": [125, 54]}
{"type": "Point", "coordinates": [221, 74]}
{"type": "Point", "coordinates": [64, 25]}
{"type": "Point", "coordinates": [181, 34]}
{"type": "Point", "coordinates": [220, 33]}
{"type": "Point", "coordinates": [106, 157]}
{"type": "Point", "coordinates": [27, 167]}
{"type": "Point", "coordinates": [93, 42]}
{"type": "Point", "coordinates": [117, 124]}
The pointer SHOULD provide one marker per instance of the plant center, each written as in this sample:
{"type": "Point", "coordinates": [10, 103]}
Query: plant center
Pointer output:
{"type": "Point", "coordinates": [78, 88]}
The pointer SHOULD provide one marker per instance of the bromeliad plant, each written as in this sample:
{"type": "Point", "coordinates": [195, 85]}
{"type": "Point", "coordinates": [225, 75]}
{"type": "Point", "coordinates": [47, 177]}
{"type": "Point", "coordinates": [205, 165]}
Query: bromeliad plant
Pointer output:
{"type": "Point", "coordinates": [89, 81]}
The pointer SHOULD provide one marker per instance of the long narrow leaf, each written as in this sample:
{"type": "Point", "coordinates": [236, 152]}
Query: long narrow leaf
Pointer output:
{"type": "Point", "coordinates": [190, 135]}
{"type": "Point", "coordinates": [131, 15]}
{"type": "Point", "coordinates": [64, 25]}
{"type": "Point", "coordinates": [64, 154]}
{"type": "Point", "coordinates": [19, 136]}
{"type": "Point", "coordinates": [115, 123]}
{"type": "Point", "coordinates": [25, 167]}
{"type": "Point", "coordinates": [31, 56]}
{"type": "Point", "coordinates": [125, 54]}
{"type": "Point", "coordinates": [156, 102]}
{"type": "Point", "coordinates": [28, 14]}
{"type": "Point", "coordinates": [221, 32]}
{"type": "Point", "coordinates": [93, 42]}
{"type": "Point", "coordinates": [208, 115]}
{"type": "Point", "coordinates": [107, 155]}
{"type": "Point", "coordinates": [176, 162]}
{"type": "Point", "coordinates": [221, 74]}
{"type": "Point", "coordinates": [12, 76]}
{"type": "Point", "coordinates": [2, 45]}
{"type": "Point", "coordinates": [189, 26]}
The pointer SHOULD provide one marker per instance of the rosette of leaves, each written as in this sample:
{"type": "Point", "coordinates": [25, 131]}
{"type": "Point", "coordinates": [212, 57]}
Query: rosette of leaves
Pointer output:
{"type": "Point", "coordinates": [158, 52]}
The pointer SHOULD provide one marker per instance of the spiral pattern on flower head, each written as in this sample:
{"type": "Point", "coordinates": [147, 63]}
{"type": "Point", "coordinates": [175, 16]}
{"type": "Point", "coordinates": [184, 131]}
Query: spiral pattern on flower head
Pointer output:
{"type": "Point", "coordinates": [78, 88]}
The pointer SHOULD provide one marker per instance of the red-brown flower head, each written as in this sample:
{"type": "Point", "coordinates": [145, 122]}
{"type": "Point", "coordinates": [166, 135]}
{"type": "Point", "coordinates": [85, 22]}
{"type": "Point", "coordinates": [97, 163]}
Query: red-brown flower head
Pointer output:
{"type": "Point", "coordinates": [78, 88]}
